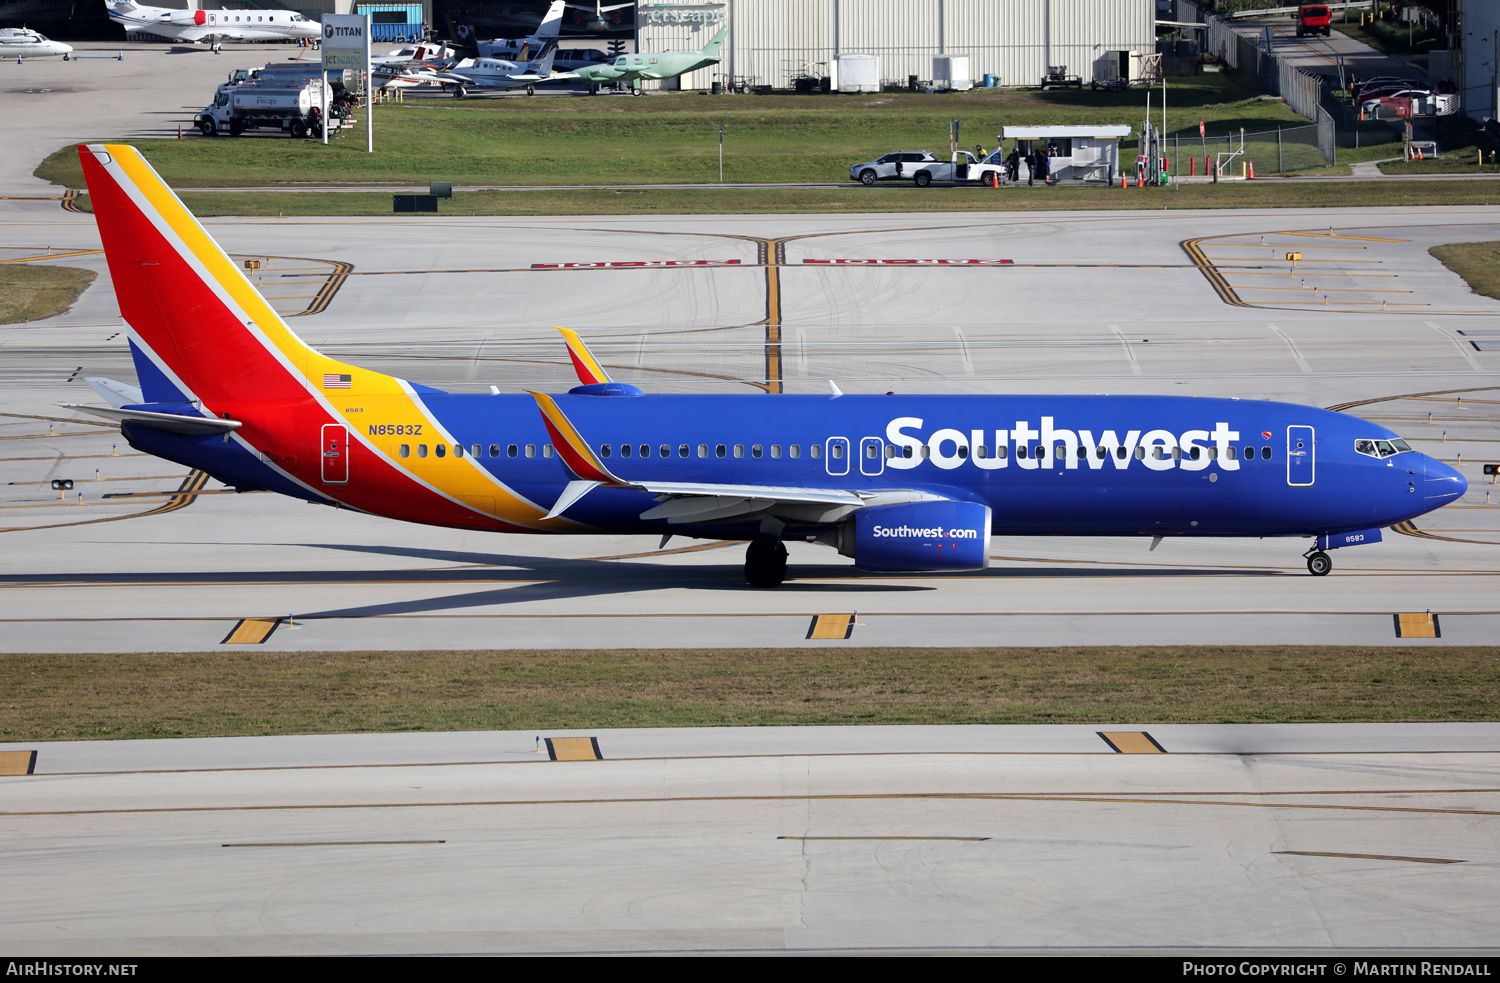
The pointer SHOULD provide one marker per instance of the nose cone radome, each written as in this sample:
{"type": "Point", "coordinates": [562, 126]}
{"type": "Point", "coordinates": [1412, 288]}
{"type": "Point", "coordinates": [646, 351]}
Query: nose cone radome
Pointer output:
{"type": "Point", "coordinates": [1442, 485]}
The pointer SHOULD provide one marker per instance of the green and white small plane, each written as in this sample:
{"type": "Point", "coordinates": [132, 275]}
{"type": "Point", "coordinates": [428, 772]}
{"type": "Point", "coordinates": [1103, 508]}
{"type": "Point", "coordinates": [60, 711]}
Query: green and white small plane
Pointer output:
{"type": "Point", "coordinates": [656, 65]}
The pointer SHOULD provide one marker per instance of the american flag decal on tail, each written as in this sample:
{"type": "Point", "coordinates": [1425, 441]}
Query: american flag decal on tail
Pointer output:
{"type": "Point", "coordinates": [334, 381]}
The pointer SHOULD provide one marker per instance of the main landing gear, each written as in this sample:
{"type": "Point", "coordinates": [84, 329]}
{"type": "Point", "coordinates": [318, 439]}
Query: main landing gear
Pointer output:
{"type": "Point", "coordinates": [765, 563]}
{"type": "Point", "coordinates": [1318, 562]}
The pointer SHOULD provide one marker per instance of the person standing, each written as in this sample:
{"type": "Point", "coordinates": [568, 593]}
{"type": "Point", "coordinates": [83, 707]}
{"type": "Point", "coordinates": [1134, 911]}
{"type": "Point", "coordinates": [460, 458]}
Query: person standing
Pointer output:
{"type": "Point", "coordinates": [1031, 166]}
{"type": "Point", "coordinates": [1013, 165]}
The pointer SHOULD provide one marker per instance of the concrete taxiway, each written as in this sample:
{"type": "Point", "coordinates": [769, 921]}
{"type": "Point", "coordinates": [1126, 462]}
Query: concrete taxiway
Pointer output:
{"type": "Point", "coordinates": [150, 557]}
{"type": "Point", "coordinates": [1165, 838]}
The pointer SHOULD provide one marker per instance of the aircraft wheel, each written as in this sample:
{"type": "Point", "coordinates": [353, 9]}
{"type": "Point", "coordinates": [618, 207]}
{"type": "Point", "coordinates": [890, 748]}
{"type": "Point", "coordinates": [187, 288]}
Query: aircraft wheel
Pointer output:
{"type": "Point", "coordinates": [867, 177]}
{"type": "Point", "coordinates": [531, 90]}
{"type": "Point", "coordinates": [765, 563]}
{"type": "Point", "coordinates": [207, 128]}
{"type": "Point", "coordinates": [459, 92]}
{"type": "Point", "coordinates": [1319, 563]}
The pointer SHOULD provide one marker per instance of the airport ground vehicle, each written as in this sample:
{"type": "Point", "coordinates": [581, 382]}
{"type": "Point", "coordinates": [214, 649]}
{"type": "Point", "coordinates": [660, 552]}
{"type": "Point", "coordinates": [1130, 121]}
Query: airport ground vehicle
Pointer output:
{"type": "Point", "coordinates": [893, 166]}
{"type": "Point", "coordinates": [898, 483]}
{"type": "Point", "coordinates": [1314, 19]}
{"type": "Point", "coordinates": [294, 106]}
{"type": "Point", "coordinates": [964, 168]}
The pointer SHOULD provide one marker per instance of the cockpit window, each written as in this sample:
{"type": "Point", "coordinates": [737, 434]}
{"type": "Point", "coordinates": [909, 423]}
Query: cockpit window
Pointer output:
{"type": "Point", "coordinates": [1380, 448]}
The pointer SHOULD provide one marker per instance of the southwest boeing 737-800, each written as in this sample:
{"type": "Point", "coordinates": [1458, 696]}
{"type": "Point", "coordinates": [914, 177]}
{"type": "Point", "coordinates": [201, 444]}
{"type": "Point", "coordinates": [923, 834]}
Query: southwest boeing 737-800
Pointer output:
{"type": "Point", "coordinates": [898, 483]}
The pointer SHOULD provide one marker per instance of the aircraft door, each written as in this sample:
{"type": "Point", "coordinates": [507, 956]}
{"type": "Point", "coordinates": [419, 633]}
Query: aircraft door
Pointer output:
{"type": "Point", "coordinates": [836, 455]}
{"type": "Point", "coordinates": [1300, 457]}
{"type": "Point", "coordinates": [871, 456]}
{"type": "Point", "coordinates": [335, 454]}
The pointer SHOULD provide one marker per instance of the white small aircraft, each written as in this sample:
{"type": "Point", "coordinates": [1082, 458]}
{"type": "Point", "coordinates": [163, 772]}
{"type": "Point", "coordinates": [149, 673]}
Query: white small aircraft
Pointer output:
{"type": "Point", "coordinates": [497, 73]}
{"type": "Point", "coordinates": [193, 25]}
{"type": "Point", "coordinates": [21, 42]}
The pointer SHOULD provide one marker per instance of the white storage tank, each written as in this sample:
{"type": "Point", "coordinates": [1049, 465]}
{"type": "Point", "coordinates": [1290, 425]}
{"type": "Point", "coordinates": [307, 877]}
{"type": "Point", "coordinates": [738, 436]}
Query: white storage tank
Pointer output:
{"type": "Point", "coordinates": [857, 73]}
{"type": "Point", "coordinates": [952, 72]}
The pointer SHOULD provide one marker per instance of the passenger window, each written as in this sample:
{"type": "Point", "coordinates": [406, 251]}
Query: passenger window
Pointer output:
{"type": "Point", "coordinates": [963, 452]}
{"type": "Point", "coordinates": [719, 450]}
{"type": "Point", "coordinates": [474, 450]}
{"type": "Point", "coordinates": [682, 450]}
{"type": "Point", "coordinates": [1041, 452]}
{"type": "Point", "coordinates": [665, 450]}
{"type": "Point", "coordinates": [926, 452]}
{"type": "Point", "coordinates": [1177, 453]}
{"type": "Point", "coordinates": [755, 450]}
{"type": "Point", "coordinates": [421, 450]}
{"type": "Point", "coordinates": [494, 450]}
{"type": "Point", "coordinates": [442, 450]}
{"type": "Point", "coordinates": [702, 450]}
{"type": "Point", "coordinates": [624, 450]}
{"type": "Point", "coordinates": [546, 450]}
{"type": "Point", "coordinates": [1265, 453]}
{"type": "Point", "coordinates": [838, 452]}
{"type": "Point", "coordinates": [531, 450]}
{"type": "Point", "coordinates": [1140, 453]}
{"type": "Point", "coordinates": [1022, 450]}
{"type": "Point", "coordinates": [739, 450]}
{"type": "Point", "coordinates": [796, 451]}
{"type": "Point", "coordinates": [775, 450]}
{"type": "Point", "coordinates": [604, 450]}
{"type": "Point", "coordinates": [1231, 452]}
{"type": "Point", "coordinates": [814, 451]}
{"type": "Point", "coordinates": [645, 450]}
{"type": "Point", "coordinates": [511, 450]}
{"type": "Point", "coordinates": [1120, 453]}
{"type": "Point", "coordinates": [1002, 451]}
{"type": "Point", "coordinates": [406, 450]}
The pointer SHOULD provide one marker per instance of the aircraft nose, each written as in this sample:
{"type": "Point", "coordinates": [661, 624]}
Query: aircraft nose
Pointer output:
{"type": "Point", "coordinates": [1441, 484]}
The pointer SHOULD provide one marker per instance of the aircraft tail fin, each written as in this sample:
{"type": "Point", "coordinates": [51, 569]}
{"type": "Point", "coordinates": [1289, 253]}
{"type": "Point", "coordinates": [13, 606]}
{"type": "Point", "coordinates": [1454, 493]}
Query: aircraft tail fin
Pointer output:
{"type": "Point", "coordinates": [715, 46]}
{"type": "Point", "coordinates": [551, 25]}
{"type": "Point", "coordinates": [542, 63]}
{"type": "Point", "coordinates": [199, 330]}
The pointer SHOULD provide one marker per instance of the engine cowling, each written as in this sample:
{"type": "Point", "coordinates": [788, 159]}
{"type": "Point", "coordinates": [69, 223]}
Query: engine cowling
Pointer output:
{"type": "Point", "coordinates": [921, 536]}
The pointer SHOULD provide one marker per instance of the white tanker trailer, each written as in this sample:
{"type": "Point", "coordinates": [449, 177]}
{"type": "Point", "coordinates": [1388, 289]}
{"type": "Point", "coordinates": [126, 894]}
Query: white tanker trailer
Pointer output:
{"type": "Point", "coordinates": [294, 106]}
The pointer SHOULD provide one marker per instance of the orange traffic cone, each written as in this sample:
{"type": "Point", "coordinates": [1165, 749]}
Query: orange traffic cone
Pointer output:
{"type": "Point", "coordinates": [1252, 171]}
{"type": "Point", "coordinates": [1123, 179]}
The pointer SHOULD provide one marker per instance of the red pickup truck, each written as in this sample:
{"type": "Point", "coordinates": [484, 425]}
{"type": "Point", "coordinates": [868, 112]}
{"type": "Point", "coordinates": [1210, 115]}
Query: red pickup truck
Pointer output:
{"type": "Point", "coordinates": [1314, 19]}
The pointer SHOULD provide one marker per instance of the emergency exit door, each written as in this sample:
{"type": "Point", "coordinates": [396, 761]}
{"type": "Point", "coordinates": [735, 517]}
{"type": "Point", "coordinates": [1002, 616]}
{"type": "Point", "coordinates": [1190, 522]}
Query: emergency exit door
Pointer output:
{"type": "Point", "coordinates": [1300, 457]}
{"type": "Point", "coordinates": [335, 454]}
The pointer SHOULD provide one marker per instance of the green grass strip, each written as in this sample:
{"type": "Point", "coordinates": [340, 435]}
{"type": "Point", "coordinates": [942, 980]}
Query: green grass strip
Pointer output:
{"type": "Point", "coordinates": [33, 292]}
{"type": "Point", "coordinates": [221, 694]}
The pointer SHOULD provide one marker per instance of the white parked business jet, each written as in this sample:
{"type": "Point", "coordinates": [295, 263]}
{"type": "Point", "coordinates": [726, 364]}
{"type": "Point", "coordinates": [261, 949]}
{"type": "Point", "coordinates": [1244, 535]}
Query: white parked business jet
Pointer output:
{"type": "Point", "coordinates": [21, 42]}
{"type": "Point", "coordinates": [193, 25]}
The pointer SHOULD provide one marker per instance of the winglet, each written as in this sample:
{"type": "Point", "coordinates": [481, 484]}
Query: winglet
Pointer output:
{"type": "Point", "coordinates": [571, 447]}
{"type": "Point", "coordinates": [590, 372]}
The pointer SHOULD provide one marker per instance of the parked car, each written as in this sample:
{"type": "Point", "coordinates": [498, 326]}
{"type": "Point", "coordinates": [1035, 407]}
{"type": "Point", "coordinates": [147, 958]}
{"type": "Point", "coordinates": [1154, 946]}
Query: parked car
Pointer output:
{"type": "Point", "coordinates": [1392, 98]}
{"type": "Point", "coordinates": [963, 168]}
{"type": "Point", "coordinates": [893, 166]}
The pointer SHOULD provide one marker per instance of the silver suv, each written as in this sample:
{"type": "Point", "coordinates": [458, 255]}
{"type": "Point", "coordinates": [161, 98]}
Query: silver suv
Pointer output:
{"type": "Point", "coordinates": [891, 167]}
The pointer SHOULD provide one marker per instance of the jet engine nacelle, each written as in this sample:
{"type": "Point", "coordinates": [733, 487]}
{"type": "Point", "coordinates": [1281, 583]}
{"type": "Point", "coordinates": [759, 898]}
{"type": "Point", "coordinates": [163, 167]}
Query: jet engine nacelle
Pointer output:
{"type": "Point", "coordinates": [922, 536]}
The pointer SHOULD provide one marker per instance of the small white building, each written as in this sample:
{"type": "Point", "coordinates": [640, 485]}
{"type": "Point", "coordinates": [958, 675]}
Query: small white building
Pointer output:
{"type": "Point", "coordinates": [1078, 153]}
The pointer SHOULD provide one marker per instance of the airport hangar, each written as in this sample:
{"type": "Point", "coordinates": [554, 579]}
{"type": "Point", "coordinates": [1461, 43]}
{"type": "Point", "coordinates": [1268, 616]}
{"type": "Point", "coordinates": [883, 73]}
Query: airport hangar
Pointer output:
{"type": "Point", "coordinates": [772, 42]}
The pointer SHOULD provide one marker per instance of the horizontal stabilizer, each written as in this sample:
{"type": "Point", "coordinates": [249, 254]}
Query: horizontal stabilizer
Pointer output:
{"type": "Point", "coordinates": [171, 422]}
{"type": "Point", "coordinates": [116, 393]}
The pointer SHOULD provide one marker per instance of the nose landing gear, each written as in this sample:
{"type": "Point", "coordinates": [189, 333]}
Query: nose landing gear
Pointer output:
{"type": "Point", "coordinates": [1318, 562]}
{"type": "Point", "coordinates": [765, 563]}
